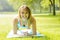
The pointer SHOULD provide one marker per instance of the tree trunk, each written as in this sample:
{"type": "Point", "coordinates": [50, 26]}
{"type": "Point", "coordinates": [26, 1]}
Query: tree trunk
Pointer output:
{"type": "Point", "coordinates": [54, 13]}
{"type": "Point", "coordinates": [50, 8]}
{"type": "Point", "coordinates": [59, 4]}
{"type": "Point", "coordinates": [53, 5]}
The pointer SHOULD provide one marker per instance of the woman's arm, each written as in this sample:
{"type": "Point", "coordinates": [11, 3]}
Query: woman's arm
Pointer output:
{"type": "Point", "coordinates": [15, 21]}
{"type": "Point", "coordinates": [33, 26]}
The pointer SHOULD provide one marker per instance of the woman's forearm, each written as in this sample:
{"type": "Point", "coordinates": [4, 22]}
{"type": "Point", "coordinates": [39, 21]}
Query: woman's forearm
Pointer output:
{"type": "Point", "coordinates": [34, 27]}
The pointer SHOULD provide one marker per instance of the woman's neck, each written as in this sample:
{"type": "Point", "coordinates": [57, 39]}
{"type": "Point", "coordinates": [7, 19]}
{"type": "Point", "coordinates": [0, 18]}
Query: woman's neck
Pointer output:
{"type": "Point", "coordinates": [23, 22]}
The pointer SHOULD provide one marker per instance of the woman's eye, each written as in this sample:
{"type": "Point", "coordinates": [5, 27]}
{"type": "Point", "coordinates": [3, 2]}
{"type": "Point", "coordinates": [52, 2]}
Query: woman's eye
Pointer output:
{"type": "Point", "coordinates": [26, 12]}
{"type": "Point", "coordinates": [22, 12]}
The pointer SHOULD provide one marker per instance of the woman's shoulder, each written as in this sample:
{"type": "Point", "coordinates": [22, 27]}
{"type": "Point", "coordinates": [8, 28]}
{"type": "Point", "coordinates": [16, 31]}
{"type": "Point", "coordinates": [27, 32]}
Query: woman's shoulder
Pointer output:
{"type": "Point", "coordinates": [15, 18]}
{"type": "Point", "coordinates": [32, 19]}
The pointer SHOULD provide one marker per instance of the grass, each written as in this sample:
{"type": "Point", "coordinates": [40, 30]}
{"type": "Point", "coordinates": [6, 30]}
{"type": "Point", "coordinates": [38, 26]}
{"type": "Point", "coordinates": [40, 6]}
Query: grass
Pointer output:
{"type": "Point", "coordinates": [47, 25]}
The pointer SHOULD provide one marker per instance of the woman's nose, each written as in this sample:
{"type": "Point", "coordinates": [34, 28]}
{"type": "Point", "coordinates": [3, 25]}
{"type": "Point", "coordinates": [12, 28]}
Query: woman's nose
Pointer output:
{"type": "Point", "coordinates": [24, 15]}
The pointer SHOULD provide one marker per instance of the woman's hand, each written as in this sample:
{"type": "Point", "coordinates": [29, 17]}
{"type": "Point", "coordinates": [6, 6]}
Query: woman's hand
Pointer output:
{"type": "Point", "coordinates": [25, 33]}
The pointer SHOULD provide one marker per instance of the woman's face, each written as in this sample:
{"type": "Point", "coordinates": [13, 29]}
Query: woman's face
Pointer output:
{"type": "Point", "coordinates": [24, 14]}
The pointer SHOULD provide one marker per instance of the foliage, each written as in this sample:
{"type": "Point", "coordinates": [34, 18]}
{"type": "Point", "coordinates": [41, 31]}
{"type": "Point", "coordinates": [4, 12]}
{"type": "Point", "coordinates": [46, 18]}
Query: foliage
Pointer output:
{"type": "Point", "coordinates": [34, 5]}
{"type": "Point", "coordinates": [45, 3]}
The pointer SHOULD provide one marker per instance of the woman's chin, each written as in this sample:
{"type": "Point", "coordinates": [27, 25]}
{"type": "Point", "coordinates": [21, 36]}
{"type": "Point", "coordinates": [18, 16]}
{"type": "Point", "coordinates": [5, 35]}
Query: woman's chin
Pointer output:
{"type": "Point", "coordinates": [24, 18]}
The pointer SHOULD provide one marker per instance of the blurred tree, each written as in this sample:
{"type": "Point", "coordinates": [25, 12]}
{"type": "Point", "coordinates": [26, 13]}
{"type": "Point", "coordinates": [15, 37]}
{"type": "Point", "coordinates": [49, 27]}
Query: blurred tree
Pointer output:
{"type": "Point", "coordinates": [54, 13]}
{"type": "Point", "coordinates": [53, 5]}
{"type": "Point", "coordinates": [35, 5]}
{"type": "Point", "coordinates": [5, 7]}
{"type": "Point", "coordinates": [17, 3]}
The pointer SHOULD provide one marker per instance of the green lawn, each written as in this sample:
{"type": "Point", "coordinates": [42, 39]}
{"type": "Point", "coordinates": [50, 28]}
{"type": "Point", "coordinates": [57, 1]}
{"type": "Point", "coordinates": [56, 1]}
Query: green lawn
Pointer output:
{"type": "Point", "coordinates": [47, 25]}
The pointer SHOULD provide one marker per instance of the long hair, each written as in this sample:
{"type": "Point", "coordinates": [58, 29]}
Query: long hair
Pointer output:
{"type": "Point", "coordinates": [26, 8]}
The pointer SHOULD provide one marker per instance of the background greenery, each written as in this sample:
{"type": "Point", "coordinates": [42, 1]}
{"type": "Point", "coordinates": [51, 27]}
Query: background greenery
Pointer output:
{"type": "Point", "coordinates": [42, 10]}
{"type": "Point", "coordinates": [36, 5]}
{"type": "Point", "coordinates": [40, 6]}
{"type": "Point", "coordinates": [46, 24]}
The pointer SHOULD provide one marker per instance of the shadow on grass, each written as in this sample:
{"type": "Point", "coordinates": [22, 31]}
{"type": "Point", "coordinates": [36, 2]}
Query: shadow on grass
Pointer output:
{"type": "Point", "coordinates": [3, 37]}
{"type": "Point", "coordinates": [30, 38]}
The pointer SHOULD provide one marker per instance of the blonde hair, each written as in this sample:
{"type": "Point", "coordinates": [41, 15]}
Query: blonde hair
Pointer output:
{"type": "Point", "coordinates": [26, 8]}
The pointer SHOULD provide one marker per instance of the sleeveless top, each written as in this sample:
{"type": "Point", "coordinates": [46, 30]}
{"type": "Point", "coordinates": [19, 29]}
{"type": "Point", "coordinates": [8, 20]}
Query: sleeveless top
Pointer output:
{"type": "Point", "coordinates": [21, 26]}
